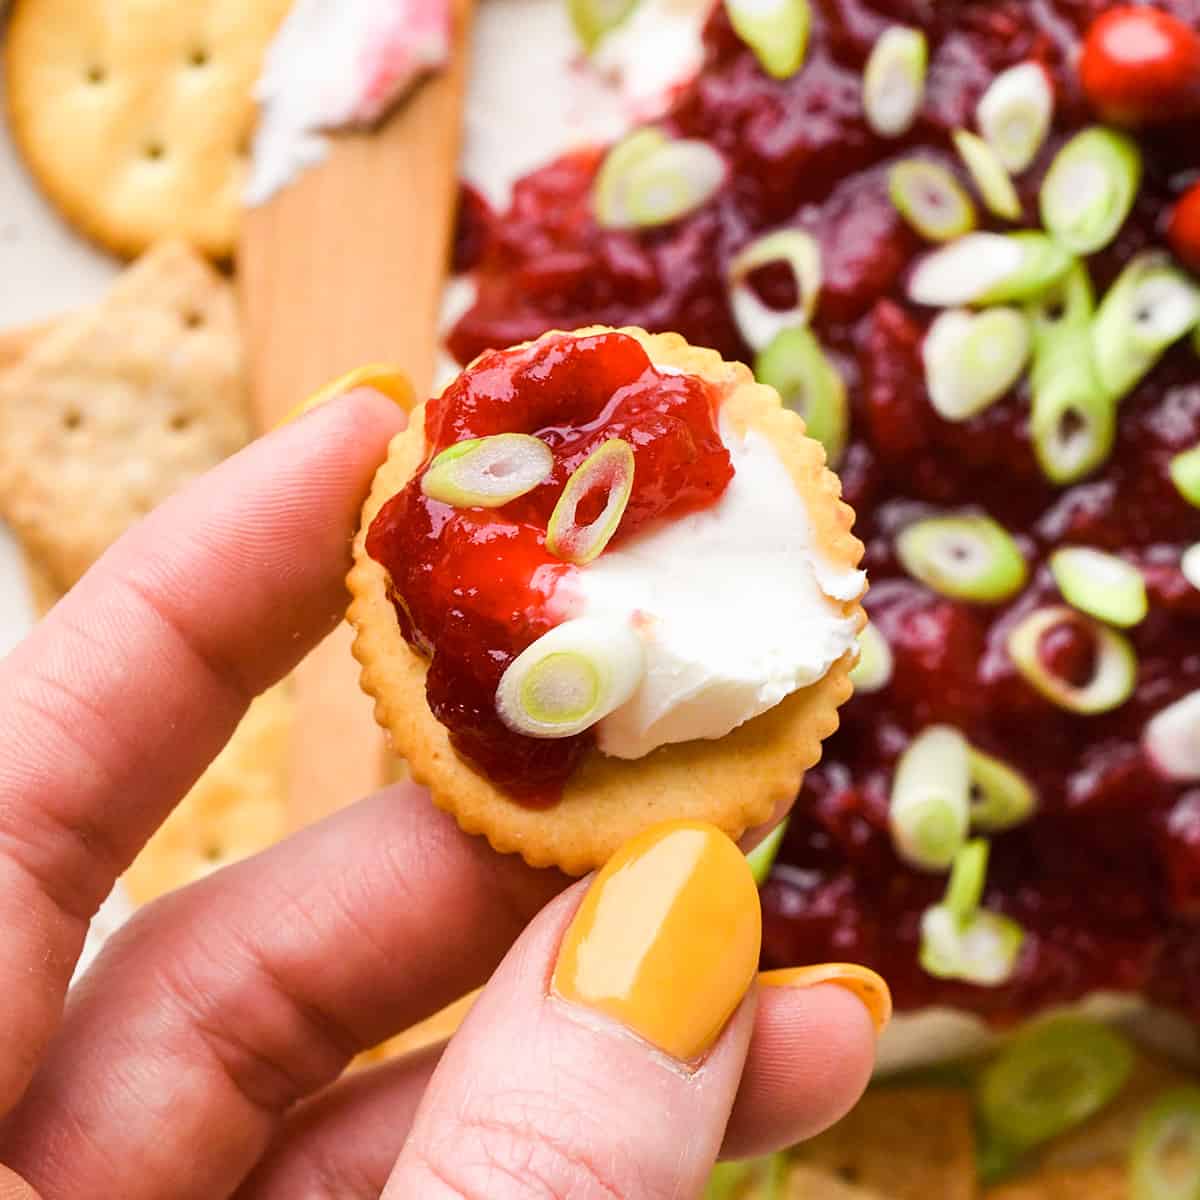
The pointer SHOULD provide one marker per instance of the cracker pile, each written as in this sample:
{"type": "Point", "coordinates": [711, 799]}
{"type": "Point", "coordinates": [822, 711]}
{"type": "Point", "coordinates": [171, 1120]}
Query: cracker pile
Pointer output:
{"type": "Point", "coordinates": [102, 415]}
{"type": "Point", "coordinates": [135, 116]}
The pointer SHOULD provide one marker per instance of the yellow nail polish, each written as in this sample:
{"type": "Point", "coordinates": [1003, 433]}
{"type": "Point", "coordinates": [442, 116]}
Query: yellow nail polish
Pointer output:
{"type": "Point", "coordinates": [869, 987]}
{"type": "Point", "coordinates": [666, 940]}
{"type": "Point", "coordinates": [389, 380]}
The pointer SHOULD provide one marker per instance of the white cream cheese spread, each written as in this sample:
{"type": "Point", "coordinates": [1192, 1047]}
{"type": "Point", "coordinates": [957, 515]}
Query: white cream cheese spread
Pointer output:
{"type": "Point", "coordinates": [333, 64]}
{"type": "Point", "coordinates": [736, 606]}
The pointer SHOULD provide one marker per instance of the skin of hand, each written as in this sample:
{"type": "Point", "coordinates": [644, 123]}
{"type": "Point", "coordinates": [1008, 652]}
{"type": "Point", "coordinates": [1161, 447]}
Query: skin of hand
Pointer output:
{"type": "Point", "coordinates": [623, 1039]}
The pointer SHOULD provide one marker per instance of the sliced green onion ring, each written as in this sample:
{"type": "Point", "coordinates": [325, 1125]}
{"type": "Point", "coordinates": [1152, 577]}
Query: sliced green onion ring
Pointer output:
{"type": "Point", "coordinates": [928, 812]}
{"type": "Point", "coordinates": [972, 359]}
{"type": "Point", "coordinates": [758, 324]}
{"type": "Point", "coordinates": [1184, 470]}
{"type": "Point", "coordinates": [988, 268]}
{"type": "Point", "coordinates": [1164, 1161]}
{"type": "Point", "coordinates": [488, 472]}
{"type": "Point", "coordinates": [608, 469]}
{"type": "Point", "coordinates": [673, 181]}
{"type": "Point", "coordinates": [1073, 419]}
{"type": "Point", "coordinates": [1102, 585]}
{"type": "Point", "coordinates": [648, 180]}
{"type": "Point", "coordinates": [994, 1161]}
{"type": "Point", "coordinates": [1172, 739]}
{"type": "Point", "coordinates": [609, 193]}
{"type": "Point", "coordinates": [776, 30]}
{"type": "Point", "coordinates": [894, 80]}
{"type": "Point", "coordinates": [766, 1179]}
{"type": "Point", "coordinates": [762, 857]}
{"type": "Point", "coordinates": [1014, 114]}
{"type": "Point", "coordinates": [1067, 305]}
{"type": "Point", "coordinates": [930, 199]}
{"type": "Point", "coordinates": [1151, 304]}
{"type": "Point", "coordinates": [1112, 681]}
{"type": "Point", "coordinates": [571, 677]}
{"type": "Point", "coordinates": [1089, 189]}
{"type": "Point", "coordinates": [592, 19]}
{"type": "Point", "coordinates": [1051, 1077]}
{"type": "Point", "coordinates": [968, 557]}
{"type": "Point", "coordinates": [988, 174]}
{"type": "Point", "coordinates": [982, 950]}
{"type": "Point", "coordinates": [729, 1180]}
{"type": "Point", "coordinates": [794, 364]}
{"type": "Point", "coordinates": [873, 671]}
{"type": "Point", "coordinates": [1189, 564]}
{"type": "Point", "coordinates": [1001, 797]}
{"type": "Point", "coordinates": [1043, 263]}
{"type": "Point", "coordinates": [968, 872]}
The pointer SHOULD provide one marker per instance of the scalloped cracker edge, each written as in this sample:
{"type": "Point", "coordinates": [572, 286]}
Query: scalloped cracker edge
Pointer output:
{"type": "Point", "coordinates": [735, 782]}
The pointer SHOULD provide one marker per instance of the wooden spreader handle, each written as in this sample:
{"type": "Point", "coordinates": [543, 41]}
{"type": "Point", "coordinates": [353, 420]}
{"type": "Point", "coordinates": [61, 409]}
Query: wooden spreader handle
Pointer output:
{"type": "Point", "coordinates": [346, 266]}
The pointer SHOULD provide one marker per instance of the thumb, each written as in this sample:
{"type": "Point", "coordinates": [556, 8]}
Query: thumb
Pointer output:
{"type": "Point", "coordinates": [603, 1058]}
{"type": "Point", "coordinates": [13, 1187]}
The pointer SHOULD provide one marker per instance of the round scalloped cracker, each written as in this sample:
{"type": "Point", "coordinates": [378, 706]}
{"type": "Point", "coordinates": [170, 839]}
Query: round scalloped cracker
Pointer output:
{"type": "Point", "coordinates": [734, 782]}
{"type": "Point", "coordinates": [135, 116]}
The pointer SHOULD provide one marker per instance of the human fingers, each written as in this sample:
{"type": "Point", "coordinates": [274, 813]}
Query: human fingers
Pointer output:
{"type": "Point", "coordinates": [117, 701]}
{"type": "Point", "coordinates": [221, 1006]}
{"type": "Point", "coordinates": [604, 1056]}
{"type": "Point", "coordinates": [13, 1187]}
{"type": "Point", "coordinates": [342, 1144]}
{"type": "Point", "coordinates": [809, 1060]}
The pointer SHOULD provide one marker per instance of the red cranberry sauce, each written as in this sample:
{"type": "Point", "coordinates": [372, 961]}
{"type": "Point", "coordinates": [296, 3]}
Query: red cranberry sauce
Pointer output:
{"type": "Point", "coordinates": [1106, 878]}
{"type": "Point", "coordinates": [473, 587]}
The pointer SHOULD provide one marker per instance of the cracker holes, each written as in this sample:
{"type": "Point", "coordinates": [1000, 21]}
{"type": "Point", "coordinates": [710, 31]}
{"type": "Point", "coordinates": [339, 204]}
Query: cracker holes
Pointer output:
{"type": "Point", "coordinates": [180, 423]}
{"type": "Point", "coordinates": [96, 75]}
{"type": "Point", "coordinates": [154, 151]}
{"type": "Point", "coordinates": [199, 58]}
{"type": "Point", "coordinates": [193, 318]}
{"type": "Point", "coordinates": [214, 852]}
{"type": "Point", "coordinates": [72, 420]}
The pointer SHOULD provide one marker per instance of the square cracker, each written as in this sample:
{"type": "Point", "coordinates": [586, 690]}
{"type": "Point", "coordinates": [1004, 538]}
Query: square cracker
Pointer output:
{"type": "Point", "coordinates": [16, 343]}
{"type": "Point", "coordinates": [1100, 1181]}
{"type": "Point", "coordinates": [115, 407]}
{"type": "Point", "coordinates": [806, 1182]}
{"type": "Point", "coordinates": [237, 807]}
{"type": "Point", "coordinates": [907, 1143]}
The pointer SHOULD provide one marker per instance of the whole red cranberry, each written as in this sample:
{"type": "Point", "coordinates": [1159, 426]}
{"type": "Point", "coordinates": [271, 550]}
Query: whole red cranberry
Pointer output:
{"type": "Point", "coordinates": [1141, 66]}
{"type": "Point", "coordinates": [1183, 230]}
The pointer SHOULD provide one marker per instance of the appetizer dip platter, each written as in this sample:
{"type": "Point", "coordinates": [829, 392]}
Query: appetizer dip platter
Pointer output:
{"type": "Point", "coordinates": [708, 257]}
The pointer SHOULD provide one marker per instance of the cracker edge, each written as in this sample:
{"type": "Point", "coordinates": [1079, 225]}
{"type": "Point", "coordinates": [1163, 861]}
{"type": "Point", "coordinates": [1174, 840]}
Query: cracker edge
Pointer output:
{"type": "Point", "coordinates": [770, 752]}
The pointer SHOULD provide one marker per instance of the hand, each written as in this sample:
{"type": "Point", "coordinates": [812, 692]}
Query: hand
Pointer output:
{"type": "Point", "coordinates": [200, 1056]}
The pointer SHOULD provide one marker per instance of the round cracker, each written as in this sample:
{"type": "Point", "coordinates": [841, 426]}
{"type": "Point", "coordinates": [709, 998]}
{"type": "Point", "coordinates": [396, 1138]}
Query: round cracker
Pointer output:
{"type": "Point", "coordinates": [735, 782]}
{"type": "Point", "coordinates": [135, 116]}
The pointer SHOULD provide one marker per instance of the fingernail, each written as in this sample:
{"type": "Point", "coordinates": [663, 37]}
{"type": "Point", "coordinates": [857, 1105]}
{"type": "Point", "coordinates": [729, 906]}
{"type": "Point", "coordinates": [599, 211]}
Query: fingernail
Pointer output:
{"type": "Point", "coordinates": [389, 380]}
{"type": "Point", "coordinates": [666, 940]}
{"type": "Point", "coordinates": [864, 983]}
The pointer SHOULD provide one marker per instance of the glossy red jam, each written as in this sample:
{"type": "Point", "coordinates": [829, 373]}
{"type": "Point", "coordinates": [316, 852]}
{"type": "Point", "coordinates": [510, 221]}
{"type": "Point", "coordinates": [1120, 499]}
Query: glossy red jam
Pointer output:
{"type": "Point", "coordinates": [1106, 878]}
{"type": "Point", "coordinates": [473, 587]}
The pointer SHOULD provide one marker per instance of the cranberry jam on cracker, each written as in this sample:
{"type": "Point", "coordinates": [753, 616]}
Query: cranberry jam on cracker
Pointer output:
{"type": "Point", "coordinates": [605, 579]}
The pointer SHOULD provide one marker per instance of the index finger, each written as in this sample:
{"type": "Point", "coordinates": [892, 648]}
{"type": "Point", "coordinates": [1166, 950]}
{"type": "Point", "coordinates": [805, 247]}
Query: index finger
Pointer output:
{"type": "Point", "coordinates": [110, 710]}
